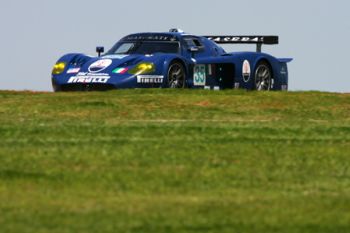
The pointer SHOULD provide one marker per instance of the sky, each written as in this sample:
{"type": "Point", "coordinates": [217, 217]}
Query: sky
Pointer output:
{"type": "Point", "coordinates": [34, 34]}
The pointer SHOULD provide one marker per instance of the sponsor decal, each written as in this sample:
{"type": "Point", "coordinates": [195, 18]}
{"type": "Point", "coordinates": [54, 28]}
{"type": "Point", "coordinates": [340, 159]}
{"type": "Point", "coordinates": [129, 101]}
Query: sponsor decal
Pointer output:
{"type": "Point", "coordinates": [92, 74]}
{"type": "Point", "coordinates": [121, 70]}
{"type": "Point", "coordinates": [199, 75]}
{"type": "Point", "coordinates": [236, 39]}
{"type": "Point", "coordinates": [150, 79]}
{"type": "Point", "coordinates": [99, 65]}
{"type": "Point", "coordinates": [283, 70]}
{"type": "Point", "coordinates": [246, 71]}
{"type": "Point", "coordinates": [73, 70]}
{"type": "Point", "coordinates": [214, 88]}
{"type": "Point", "coordinates": [150, 37]}
{"type": "Point", "coordinates": [89, 78]}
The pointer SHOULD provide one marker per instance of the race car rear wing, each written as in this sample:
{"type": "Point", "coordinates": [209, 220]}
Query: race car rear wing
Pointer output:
{"type": "Point", "coordinates": [258, 40]}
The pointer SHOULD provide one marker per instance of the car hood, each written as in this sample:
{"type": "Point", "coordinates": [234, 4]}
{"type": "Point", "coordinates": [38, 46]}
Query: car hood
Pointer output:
{"type": "Point", "coordinates": [108, 63]}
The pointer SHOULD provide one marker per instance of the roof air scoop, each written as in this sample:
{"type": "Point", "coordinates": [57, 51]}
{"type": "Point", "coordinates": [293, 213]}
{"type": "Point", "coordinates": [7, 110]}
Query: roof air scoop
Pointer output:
{"type": "Point", "coordinates": [176, 30]}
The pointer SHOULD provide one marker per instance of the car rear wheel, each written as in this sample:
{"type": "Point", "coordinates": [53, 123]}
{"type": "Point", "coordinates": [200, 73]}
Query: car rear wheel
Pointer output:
{"type": "Point", "coordinates": [176, 75]}
{"type": "Point", "coordinates": [263, 77]}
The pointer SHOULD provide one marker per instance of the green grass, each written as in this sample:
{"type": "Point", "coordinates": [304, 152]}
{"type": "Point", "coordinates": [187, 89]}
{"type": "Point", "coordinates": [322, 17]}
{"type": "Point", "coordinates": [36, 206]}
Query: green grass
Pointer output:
{"type": "Point", "coordinates": [174, 161]}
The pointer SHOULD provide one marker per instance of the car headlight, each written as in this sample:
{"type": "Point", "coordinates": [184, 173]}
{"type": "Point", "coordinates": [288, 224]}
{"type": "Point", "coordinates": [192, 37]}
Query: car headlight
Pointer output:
{"type": "Point", "coordinates": [58, 68]}
{"type": "Point", "coordinates": [143, 68]}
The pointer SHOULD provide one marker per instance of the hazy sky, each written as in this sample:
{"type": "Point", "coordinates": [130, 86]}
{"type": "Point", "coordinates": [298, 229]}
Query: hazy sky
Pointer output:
{"type": "Point", "coordinates": [35, 33]}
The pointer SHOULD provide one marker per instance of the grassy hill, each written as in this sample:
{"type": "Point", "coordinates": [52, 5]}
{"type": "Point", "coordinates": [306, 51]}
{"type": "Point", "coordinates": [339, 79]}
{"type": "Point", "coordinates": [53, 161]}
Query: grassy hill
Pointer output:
{"type": "Point", "coordinates": [174, 161]}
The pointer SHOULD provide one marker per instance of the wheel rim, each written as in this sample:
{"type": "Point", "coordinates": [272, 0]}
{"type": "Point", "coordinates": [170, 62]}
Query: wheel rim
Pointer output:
{"type": "Point", "coordinates": [176, 76]}
{"type": "Point", "coordinates": [263, 78]}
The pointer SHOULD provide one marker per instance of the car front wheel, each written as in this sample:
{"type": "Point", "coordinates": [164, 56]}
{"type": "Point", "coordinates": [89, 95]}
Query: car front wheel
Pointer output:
{"type": "Point", "coordinates": [176, 75]}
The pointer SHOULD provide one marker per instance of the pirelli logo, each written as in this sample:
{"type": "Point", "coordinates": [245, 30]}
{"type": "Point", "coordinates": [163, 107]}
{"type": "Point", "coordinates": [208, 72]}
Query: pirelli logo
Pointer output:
{"type": "Point", "coordinates": [150, 79]}
{"type": "Point", "coordinates": [88, 79]}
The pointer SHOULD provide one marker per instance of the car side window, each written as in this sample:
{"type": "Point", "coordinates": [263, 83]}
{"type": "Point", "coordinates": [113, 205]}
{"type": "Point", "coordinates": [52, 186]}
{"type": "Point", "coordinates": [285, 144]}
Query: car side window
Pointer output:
{"type": "Point", "coordinates": [193, 42]}
{"type": "Point", "coordinates": [197, 43]}
{"type": "Point", "coordinates": [190, 42]}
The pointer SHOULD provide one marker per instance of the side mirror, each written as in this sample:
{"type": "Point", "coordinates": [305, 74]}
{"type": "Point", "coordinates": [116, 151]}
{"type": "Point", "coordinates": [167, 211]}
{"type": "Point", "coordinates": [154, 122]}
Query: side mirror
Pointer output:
{"type": "Point", "coordinates": [100, 50]}
{"type": "Point", "coordinates": [193, 49]}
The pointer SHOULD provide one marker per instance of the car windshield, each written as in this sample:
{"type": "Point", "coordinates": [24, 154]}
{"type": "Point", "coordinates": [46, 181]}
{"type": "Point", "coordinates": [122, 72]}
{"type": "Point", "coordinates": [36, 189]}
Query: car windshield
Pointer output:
{"type": "Point", "coordinates": [144, 47]}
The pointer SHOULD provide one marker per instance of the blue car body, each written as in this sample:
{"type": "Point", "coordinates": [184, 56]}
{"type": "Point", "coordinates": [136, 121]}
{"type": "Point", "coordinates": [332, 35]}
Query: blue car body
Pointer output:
{"type": "Point", "coordinates": [144, 60]}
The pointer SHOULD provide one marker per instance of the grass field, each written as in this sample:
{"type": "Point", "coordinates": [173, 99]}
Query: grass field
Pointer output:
{"type": "Point", "coordinates": [174, 161]}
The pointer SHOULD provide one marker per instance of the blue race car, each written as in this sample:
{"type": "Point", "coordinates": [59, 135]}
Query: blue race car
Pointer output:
{"type": "Point", "coordinates": [173, 60]}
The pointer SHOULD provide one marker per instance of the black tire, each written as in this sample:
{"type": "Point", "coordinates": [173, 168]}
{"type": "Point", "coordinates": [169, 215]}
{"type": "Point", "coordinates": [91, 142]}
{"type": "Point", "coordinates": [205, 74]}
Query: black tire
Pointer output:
{"type": "Point", "coordinates": [55, 87]}
{"type": "Point", "coordinates": [176, 75]}
{"type": "Point", "coordinates": [263, 78]}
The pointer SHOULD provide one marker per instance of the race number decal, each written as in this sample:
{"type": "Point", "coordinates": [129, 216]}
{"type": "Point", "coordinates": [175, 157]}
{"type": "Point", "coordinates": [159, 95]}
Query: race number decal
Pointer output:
{"type": "Point", "coordinates": [199, 75]}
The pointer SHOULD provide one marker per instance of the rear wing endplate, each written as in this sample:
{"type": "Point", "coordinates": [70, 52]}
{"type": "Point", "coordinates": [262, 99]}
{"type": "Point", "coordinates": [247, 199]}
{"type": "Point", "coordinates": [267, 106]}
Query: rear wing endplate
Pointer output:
{"type": "Point", "coordinates": [258, 40]}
